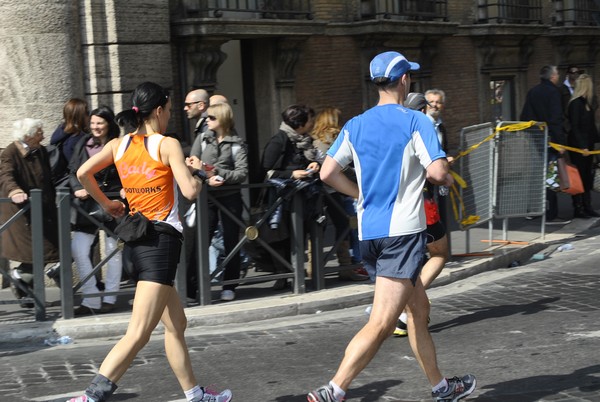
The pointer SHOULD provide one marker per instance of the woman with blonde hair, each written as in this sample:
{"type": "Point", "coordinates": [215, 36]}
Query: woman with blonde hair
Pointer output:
{"type": "Point", "coordinates": [224, 155]}
{"type": "Point", "coordinates": [325, 131]}
{"type": "Point", "coordinates": [327, 127]}
{"type": "Point", "coordinates": [583, 135]}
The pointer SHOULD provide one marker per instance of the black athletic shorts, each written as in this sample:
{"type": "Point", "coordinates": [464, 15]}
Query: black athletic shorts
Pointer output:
{"type": "Point", "coordinates": [154, 258]}
{"type": "Point", "coordinates": [435, 232]}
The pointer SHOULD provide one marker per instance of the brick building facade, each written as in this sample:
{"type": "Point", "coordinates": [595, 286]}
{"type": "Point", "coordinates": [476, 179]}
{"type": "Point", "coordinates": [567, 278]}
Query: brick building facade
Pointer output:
{"type": "Point", "coordinates": [267, 54]}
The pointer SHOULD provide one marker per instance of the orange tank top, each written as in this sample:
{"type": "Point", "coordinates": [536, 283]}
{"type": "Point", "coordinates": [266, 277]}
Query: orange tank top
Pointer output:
{"type": "Point", "coordinates": [148, 183]}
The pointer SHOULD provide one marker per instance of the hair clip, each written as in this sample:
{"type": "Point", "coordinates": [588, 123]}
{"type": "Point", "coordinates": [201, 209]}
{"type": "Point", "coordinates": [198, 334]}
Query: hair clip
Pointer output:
{"type": "Point", "coordinates": [136, 109]}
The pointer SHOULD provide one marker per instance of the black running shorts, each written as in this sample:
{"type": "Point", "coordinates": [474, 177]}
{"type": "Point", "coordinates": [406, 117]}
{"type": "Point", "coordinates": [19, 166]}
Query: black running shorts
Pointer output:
{"type": "Point", "coordinates": [153, 259]}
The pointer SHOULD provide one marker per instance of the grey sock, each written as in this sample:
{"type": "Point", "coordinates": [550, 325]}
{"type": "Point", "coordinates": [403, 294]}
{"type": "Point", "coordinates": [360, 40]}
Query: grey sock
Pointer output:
{"type": "Point", "coordinates": [101, 388]}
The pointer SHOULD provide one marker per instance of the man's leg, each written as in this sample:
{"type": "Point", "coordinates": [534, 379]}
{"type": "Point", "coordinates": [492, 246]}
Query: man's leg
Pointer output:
{"type": "Point", "coordinates": [391, 296]}
{"type": "Point", "coordinates": [419, 337]}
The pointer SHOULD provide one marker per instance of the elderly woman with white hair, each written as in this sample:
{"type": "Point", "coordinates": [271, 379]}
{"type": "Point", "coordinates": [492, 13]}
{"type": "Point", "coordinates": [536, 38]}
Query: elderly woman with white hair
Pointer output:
{"type": "Point", "coordinates": [24, 165]}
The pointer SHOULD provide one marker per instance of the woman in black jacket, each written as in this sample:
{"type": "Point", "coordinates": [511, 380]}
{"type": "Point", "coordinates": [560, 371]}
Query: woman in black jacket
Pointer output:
{"type": "Point", "coordinates": [583, 135]}
{"type": "Point", "coordinates": [103, 129]}
{"type": "Point", "coordinates": [290, 154]}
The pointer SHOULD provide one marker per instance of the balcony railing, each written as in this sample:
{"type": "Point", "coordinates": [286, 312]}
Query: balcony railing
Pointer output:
{"type": "Point", "coordinates": [247, 9]}
{"type": "Point", "coordinates": [411, 10]}
{"type": "Point", "coordinates": [509, 12]}
{"type": "Point", "coordinates": [577, 12]}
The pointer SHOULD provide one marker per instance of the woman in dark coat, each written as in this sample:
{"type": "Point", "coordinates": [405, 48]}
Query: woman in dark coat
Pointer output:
{"type": "Point", "coordinates": [24, 166]}
{"type": "Point", "coordinates": [583, 135]}
{"type": "Point", "coordinates": [68, 133]}
{"type": "Point", "coordinates": [290, 154]}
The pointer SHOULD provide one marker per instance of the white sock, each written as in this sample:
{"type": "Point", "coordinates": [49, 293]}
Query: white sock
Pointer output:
{"type": "Point", "coordinates": [443, 385]}
{"type": "Point", "coordinates": [338, 393]}
{"type": "Point", "coordinates": [403, 317]}
{"type": "Point", "coordinates": [194, 393]}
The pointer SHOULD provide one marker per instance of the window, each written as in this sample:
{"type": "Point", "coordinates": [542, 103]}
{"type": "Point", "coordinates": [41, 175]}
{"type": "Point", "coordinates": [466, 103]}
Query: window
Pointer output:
{"type": "Point", "coordinates": [502, 100]}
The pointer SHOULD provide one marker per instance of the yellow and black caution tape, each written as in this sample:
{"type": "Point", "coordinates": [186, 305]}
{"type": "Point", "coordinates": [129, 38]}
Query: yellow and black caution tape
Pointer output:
{"type": "Point", "coordinates": [456, 199]}
{"type": "Point", "coordinates": [523, 125]}
{"type": "Point", "coordinates": [559, 147]}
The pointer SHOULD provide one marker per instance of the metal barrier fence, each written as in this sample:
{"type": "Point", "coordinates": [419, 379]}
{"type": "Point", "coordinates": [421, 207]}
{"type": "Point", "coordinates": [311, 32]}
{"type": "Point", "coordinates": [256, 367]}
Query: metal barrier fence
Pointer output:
{"type": "Point", "coordinates": [293, 269]}
{"type": "Point", "coordinates": [251, 229]}
{"type": "Point", "coordinates": [69, 292]}
{"type": "Point", "coordinates": [505, 172]}
{"type": "Point", "coordinates": [38, 296]}
{"type": "Point", "coordinates": [476, 168]}
{"type": "Point", "coordinates": [251, 232]}
{"type": "Point", "coordinates": [520, 172]}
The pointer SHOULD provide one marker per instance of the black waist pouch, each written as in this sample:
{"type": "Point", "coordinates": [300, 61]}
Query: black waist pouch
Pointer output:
{"type": "Point", "coordinates": [133, 227]}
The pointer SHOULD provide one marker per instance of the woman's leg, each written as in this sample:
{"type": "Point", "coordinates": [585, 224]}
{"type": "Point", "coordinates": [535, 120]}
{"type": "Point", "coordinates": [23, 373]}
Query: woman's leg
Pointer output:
{"type": "Point", "coordinates": [114, 269]}
{"type": "Point", "coordinates": [176, 350]}
{"type": "Point", "coordinates": [438, 255]}
{"type": "Point", "coordinates": [80, 249]}
{"type": "Point", "coordinates": [149, 304]}
{"type": "Point", "coordinates": [231, 236]}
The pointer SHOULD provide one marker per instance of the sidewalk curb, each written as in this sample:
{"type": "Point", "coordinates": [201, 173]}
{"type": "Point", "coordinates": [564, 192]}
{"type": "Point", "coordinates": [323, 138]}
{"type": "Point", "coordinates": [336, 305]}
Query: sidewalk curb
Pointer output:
{"type": "Point", "coordinates": [115, 325]}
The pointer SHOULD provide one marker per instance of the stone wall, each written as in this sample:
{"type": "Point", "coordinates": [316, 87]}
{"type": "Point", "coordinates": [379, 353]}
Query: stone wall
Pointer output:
{"type": "Point", "coordinates": [40, 61]}
{"type": "Point", "coordinates": [96, 50]}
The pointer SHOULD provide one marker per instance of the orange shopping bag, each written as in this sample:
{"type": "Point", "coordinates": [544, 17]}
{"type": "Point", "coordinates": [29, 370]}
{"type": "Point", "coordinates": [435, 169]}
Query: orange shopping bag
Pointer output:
{"type": "Point", "coordinates": [570, 180]}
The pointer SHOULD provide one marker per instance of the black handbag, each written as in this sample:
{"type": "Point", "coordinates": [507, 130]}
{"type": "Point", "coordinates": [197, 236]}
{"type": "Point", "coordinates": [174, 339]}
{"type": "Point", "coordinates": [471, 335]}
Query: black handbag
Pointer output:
{"type": "Point", "coordinates": [133, 227]}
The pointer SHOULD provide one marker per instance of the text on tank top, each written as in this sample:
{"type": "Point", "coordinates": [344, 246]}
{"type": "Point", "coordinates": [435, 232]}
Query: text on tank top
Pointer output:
{"type": "Point", "coordinates": [148, 183]}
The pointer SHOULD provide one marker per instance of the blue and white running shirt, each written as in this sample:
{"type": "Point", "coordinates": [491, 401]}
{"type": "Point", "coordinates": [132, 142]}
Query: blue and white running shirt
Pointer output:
{"type": "Point", "coordinates": [391, 146]}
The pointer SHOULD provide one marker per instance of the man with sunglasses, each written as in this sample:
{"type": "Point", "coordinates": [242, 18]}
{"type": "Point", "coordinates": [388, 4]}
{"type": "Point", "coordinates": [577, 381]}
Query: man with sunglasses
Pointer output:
{"type": "Point", "coordinates": [566, 89]}
{"type": "Point", "coordinates": [196, 103]}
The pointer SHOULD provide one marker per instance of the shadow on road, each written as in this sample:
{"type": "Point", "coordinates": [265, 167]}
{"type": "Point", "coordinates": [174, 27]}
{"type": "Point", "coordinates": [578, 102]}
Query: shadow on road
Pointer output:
{"type": "Point", "coordinates": [581, 384]}
{"type": "Point", "coordinates": [505, 310]}
{"type": "Point", "coordinates": [366, 393]}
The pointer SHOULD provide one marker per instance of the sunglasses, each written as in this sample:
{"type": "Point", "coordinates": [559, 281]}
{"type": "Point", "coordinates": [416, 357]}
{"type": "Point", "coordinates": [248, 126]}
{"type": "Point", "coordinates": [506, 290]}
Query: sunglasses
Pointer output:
{"type": "Point", "coordinates": [189, 104]}
{"type": "Point", "coordinates": [211, 118]}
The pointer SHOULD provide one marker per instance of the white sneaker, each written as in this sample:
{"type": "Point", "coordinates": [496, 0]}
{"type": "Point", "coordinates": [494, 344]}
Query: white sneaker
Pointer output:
{"type": "Point", "coordinates": [213, 396]}
{"type": "Point", "coordinates": [227, 295]}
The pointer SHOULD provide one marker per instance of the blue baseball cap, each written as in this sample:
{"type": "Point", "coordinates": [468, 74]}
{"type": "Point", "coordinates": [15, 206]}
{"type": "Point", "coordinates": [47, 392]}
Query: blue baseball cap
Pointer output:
{"type": "Point", "coordinates": [391, 65]}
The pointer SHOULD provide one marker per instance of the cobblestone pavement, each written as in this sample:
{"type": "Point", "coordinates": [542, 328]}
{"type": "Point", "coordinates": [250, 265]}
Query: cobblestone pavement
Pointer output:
{"type": "Point", "coordinates": [529, 333]}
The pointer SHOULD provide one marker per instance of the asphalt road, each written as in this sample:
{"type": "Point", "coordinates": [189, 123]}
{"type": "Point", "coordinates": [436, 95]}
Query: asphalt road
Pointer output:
{"type": "Point", "coordinates": [530, 333]}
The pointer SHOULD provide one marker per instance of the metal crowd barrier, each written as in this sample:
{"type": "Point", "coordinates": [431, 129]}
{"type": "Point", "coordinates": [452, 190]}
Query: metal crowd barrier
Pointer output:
{"type": "Point", "coordinates": [520, 165]}
{"type": "Point", "coordinates": [38, 296]}
{"type": "Point", "coordinates": [251, 232]}
{"type": "Point", "coordinates": [69, 292]}
{"type": "Point", "coordinates": [505, 172]}
{"type": "Point", "coordinates": [293, 269]}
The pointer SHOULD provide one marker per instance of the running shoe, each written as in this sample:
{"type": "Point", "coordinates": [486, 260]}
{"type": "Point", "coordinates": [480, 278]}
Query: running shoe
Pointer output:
{"type": "Point", "coordinates": [457, 389]}
{"type": "Point", "coordinates": [213, 396]}
{"type": "Point", "coordinates": [401, 329]}
{"type": "Point", "coordinates": [82, 398]}
{"type": "Point", "coordinates": [323, 394]}
{"type": "Point", "coordinates": [227, 295]}
{"type": "Point", "coordinates": [399, 332]}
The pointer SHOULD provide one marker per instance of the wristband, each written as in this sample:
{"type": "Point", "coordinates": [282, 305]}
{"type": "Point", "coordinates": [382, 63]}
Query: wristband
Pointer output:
{"type": "Point", "coordinates": [201, 174]}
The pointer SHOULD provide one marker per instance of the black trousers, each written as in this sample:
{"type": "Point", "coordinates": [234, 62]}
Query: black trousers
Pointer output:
{"type": "Point", "coordinates": [231, 232]}
{"type": "Point", "coordinates": [584, 165]}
